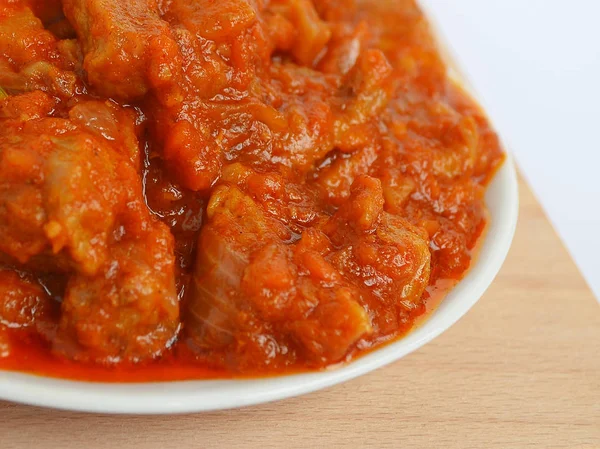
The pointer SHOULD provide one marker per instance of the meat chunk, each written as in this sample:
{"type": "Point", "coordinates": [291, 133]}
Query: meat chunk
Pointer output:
{"type": "Point", "coordinates": [110, 122]}
{"type": "Point", "coordinates": [32, 58]}
{"type": "Point", "coordinates": [24, 302]}
{"type": "Point", "coordinates": [57, 194]}
{"type": "Point", "coordinates": [23, 37]}
{"type": "Point", "coordinates": [382, 253]}
{"type": "Point", "coordinates": [216, 60]}
{"type": "Point", "coordinates": [236, 227]}
{"type": "Point", "coordinates": [25, 107]}
{"type": "Point", "coordinates": [191, 153]}
{"type": "Point", "coordinates": [128, 48]}
{"type": "Point", "coordinates": [59, 179]}
{"type": "Point", "coordinates": [130, 310]}
{"type": "Point", "coordinates": [71, 200]}
{"type": "Point", "coordinates": [213, 20]}
{"type": "Point", "coordinates": [252, 288]}
{"type": "Point", "coordinates": [257, 286]}
{"type": "Point", "coordinates": [25, 309]}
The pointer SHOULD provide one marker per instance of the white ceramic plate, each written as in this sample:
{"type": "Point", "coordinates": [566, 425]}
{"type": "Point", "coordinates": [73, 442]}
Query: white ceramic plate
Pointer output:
{"type": "Point", "coordinates": [203, 395]}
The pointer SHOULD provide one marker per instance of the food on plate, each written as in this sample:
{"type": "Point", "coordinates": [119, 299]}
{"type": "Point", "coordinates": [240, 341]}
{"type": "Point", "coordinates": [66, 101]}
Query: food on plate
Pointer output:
{"type": "Point", "coordinates": [191, 188]}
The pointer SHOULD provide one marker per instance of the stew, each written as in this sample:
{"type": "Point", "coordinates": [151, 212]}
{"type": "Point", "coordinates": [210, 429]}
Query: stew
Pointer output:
{"type": "Point", "coordinates": [202, 188]}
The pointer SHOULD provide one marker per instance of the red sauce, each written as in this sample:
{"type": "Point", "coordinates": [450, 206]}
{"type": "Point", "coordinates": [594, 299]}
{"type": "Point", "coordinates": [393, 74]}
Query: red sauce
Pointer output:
{"type": "Point", "coordinates": [200, 189]}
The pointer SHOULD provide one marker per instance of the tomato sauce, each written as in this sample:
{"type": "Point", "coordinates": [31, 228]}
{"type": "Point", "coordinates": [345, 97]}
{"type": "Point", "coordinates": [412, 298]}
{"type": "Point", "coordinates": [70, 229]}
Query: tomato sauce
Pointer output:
{"type": "Point", "coordinates": [200, 189]}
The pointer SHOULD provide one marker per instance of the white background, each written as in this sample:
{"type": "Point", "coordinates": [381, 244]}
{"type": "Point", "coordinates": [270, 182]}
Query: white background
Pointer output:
{"type": "Point", "coordinates": [536, 66]}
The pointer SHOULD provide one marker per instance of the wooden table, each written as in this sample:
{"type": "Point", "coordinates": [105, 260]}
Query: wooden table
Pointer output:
{"type": "Point", "coordinates": [521, 370]}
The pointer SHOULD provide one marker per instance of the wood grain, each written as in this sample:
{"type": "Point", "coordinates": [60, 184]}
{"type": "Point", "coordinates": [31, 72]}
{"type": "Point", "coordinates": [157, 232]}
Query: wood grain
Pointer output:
{"type": "Point", "coordinates": [521, 370]}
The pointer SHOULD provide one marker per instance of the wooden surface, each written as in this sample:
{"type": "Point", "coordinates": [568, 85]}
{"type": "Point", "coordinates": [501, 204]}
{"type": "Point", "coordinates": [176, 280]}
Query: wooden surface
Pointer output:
{"type": "Point", "coordinates": [521, 370]}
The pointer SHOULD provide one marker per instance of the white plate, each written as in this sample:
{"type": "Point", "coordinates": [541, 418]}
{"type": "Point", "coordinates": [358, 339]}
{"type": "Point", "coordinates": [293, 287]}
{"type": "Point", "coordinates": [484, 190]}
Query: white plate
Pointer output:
{"type": "Point", "coordinates": [203, 395]}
